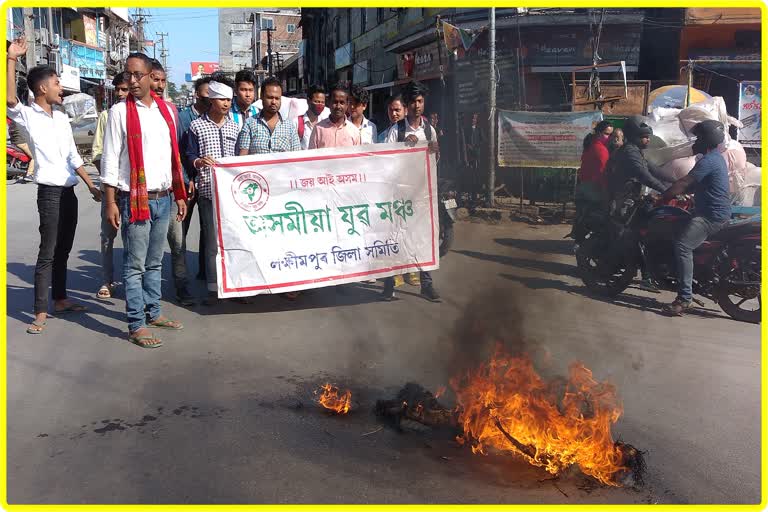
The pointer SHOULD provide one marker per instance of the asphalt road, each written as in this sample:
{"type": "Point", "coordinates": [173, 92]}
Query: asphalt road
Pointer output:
{"type": "Point", "coordinates": [224, 412]}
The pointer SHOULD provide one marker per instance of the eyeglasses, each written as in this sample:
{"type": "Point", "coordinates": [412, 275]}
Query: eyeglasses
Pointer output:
{"type": "Point", "coordinates": [136, 75]}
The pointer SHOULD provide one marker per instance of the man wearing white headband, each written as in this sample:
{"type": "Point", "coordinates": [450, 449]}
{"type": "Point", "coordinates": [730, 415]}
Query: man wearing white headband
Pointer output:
{"type": "Point", "coordinates": [211, 137]}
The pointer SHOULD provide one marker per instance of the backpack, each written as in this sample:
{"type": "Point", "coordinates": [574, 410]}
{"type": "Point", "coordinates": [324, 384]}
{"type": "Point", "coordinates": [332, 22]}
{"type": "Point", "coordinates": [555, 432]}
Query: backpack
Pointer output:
{"type": "Point", "coordinates": [401, 129]}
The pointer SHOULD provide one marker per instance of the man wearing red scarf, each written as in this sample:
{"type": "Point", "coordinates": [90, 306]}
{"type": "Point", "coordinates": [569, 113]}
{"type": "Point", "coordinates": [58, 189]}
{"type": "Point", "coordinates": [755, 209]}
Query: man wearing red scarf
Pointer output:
{"type": "Point", "coordinates": [142, 131]}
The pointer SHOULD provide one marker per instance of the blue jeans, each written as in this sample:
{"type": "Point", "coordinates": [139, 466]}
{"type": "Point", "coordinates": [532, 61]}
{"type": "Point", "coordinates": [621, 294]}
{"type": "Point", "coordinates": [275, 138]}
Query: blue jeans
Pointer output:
{"type": "Point", "coordinates": [693, 235]}
{"type": "Point", "coordinates": [143, 248]}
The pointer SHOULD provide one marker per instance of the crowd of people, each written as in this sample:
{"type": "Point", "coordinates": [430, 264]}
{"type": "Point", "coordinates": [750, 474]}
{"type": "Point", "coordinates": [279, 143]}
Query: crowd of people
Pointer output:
{"type": "Point", "coordinates": [613, 167]}
{"type": "Point", "coordinates": [155, 167]}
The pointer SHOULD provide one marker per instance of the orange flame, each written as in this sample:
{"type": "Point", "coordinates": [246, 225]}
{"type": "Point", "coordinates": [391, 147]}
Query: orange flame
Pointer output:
{"type": "Point", "coordinates": [331, 398]}
{"type": "Point", "coordinates": [505, 405]}
{"type": "Point", "coordinates": [440, 391]}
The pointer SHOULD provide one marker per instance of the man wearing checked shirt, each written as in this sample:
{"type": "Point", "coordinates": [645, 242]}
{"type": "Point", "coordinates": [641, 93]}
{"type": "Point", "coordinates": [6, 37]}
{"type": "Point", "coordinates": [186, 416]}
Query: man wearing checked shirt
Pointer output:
{"type": "Point", "coordinates": [268, 132]}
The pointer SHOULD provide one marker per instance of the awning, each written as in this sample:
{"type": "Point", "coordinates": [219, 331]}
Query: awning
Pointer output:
{"type": "Point", "coordinates": [569, 69]}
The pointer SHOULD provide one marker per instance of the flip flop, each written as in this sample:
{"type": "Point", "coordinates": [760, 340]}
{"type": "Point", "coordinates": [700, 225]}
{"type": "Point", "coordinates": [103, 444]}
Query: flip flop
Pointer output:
{"type": "Point", "coordinates": [166, 323]}
{"type": "Point", "coordinates": [40, 326]}
{"type": "Point", "coordinates": [72, 308]}
{"type": "Point", "coordinates": [104, 292]}
{"type": "Point", "coordinates": [145, 341]}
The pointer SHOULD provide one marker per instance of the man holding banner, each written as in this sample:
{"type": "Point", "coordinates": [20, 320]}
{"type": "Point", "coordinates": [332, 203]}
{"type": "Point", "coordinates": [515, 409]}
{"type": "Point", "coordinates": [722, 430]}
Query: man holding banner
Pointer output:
{"type": "Point", "coordinates": [412, 129]}
{"type": "Point", "coordinates": [210, 137]}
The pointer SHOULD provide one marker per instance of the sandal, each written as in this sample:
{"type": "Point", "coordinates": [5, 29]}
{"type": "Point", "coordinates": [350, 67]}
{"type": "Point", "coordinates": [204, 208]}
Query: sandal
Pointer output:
{"type": "Point", "coordinates": [72, 308]}
{"type": "Point", "coordinates": [36, 327]}
{"type": "Point", "coordinates": [105, 292]}
{"type": "Point", "coordinates": [145, 341]}
{"type": "Point", "coordinates": [164, 323]}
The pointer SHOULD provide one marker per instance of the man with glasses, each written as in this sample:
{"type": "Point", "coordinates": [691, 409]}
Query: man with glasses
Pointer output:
{"type": "Point", "coordinates": [141, 170]}
{"type": "Point", "coordinates": [108, 232]}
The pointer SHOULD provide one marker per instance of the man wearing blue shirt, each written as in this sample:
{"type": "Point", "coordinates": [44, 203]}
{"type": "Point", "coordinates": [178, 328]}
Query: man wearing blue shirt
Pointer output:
{"type": "Point", "coordinates": [709, 180]}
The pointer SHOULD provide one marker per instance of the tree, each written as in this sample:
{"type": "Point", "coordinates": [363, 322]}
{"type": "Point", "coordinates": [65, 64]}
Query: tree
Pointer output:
{"type": "Point", "coordinates": [173, 92]}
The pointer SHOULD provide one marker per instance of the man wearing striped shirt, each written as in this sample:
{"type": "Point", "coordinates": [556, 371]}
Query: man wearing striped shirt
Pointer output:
{"type": "Point", "coordinates": [212, 136]}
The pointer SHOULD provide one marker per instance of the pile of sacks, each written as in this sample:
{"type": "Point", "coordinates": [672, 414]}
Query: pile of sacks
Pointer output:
{"type": "Point", "coordinates": [672, 141]}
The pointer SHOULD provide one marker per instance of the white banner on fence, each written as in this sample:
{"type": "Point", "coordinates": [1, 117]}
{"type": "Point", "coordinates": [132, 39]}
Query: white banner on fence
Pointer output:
{"type": "Point", "coordinates": [292, 221]}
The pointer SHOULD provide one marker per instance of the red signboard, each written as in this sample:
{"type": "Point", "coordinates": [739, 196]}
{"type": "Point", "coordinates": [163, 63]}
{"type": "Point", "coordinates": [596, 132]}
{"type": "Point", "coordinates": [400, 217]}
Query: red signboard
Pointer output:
{"type": "Point", "coordinates": [203, 68]}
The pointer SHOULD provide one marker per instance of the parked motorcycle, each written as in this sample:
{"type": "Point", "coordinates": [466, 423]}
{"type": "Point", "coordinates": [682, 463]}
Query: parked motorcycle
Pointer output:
{"type": "Point", "coordinates": [446, 210]}
{"type": "Point", "coordinates": [726, 266]}
{"type": "Point", "coordinates": [16, 162]}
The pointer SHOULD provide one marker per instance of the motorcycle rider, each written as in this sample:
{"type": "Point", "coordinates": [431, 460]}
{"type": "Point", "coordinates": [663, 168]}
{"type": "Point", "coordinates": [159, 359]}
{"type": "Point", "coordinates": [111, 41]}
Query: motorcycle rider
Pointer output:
{"type": "Point", "coordinates": [627, 167]}
{"type": "Point", "coordinates": [709, 180]}
{"type": "Point", "coordinates": [628, 163]}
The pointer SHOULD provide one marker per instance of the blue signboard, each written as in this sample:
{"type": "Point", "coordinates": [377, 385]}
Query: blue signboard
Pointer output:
{"type": "Point", "coordinates": [89, 60]}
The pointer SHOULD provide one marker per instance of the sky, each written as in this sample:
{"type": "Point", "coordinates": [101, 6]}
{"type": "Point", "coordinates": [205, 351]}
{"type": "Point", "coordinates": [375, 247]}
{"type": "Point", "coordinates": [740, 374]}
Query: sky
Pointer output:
{"type": "Point", "coordinates": [193, 36]}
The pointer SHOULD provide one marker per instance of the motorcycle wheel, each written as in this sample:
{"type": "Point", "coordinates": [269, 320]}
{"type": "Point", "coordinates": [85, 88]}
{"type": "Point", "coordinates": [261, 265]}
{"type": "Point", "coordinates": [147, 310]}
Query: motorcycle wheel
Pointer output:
{"type": "Point", "coordinates": [446, 239]}
{"type": "Point", "coordinates": [741, 302]}
{"type": "Point", "coordinates": [606, 282]}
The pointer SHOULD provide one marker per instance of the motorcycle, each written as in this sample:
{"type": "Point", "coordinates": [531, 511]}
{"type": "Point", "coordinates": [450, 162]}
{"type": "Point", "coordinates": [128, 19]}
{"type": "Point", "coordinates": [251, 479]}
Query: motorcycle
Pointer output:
{"type": "Point", "coordinates": [446, 212]}
{"type": "Point", "coordinates": [16, 162]}
{"type": "Point", "coordinates": [638, 232]}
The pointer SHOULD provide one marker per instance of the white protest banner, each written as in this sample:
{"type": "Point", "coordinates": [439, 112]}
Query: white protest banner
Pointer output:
{"type": "Point", "coordinates": [543, 139]}
{"type": "Point", "coordinates": [307, 219]}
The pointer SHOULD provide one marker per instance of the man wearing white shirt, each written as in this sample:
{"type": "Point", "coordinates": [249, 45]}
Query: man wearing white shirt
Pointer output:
{"type": "Point", "coordinates": [410, 130]}
{"type": "Point", "coordinates": [358, 102]}
{"type": "Point", "coordinates": [141, 130]}
{"type": "Point", "coordinates": [316, 112]}
{"type": "Point", "coordinates": [58, 166]}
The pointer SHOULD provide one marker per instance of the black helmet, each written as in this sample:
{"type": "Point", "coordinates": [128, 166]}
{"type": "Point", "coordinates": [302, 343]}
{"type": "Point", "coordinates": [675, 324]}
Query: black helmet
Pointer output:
{"type": "Point", "coordinates": [710, 132]}
{"type": "Point", "coordinates": [635, 127]}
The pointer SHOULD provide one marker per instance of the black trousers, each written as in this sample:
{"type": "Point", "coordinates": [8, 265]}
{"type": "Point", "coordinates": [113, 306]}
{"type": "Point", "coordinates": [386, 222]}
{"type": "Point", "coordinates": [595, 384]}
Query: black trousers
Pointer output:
{"type": "Point", "coordinates": [57, 207]}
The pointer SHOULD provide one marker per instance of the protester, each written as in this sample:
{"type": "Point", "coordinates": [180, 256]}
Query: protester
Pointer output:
{"type": "Point", "coordinates": [709, 180]}
{"type": "Point", "coordinates": [316, 112]}
{"type": "Point", "coordinates": [141, 170]}
{"type": "Point", "coordinates": [412, 129]}
{"type": "Point", "coordinates": [186, 116]}
{"type": "Point", "coordinates": [268, 132]}
{"type": "Point", "coordinates": [243, 107]}
{"type": "Point", "coordinates": [358, 103]}
{"type": "Point", "coordinates": [108, 232]}
{"type": "Point", "coordinates": [475, 144]}
{"type": "Point", "coordinates": [395, 112]}
{"type": "Point", "coordinates": [336, 131]}
{"type": "Point", "coordinates": [58, 166]}
{"type": "Point", "coordinates": [211, 137]}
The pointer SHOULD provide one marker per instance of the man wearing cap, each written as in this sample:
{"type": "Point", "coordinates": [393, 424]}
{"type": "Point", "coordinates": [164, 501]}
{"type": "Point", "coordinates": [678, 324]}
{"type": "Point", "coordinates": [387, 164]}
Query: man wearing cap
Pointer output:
{"type": "Point", "coordinates": [709, 181]}
{"type": "Point", "coordinates": [212, 136]}
{"type": "Point", "coordinates": [629, 163]}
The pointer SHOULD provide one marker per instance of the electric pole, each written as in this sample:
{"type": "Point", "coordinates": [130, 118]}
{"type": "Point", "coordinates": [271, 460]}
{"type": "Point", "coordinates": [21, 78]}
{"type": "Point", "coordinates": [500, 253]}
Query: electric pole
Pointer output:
{"type": "Point", "coordinates": [29, 31]}
{"type": "Point", "coordinates": [139, 16]}
{"type": "Point", "coordinates": [492, 117]}
{"type": "Point", "coordinates": [163, 56]}
{"type": "Point", "coordinates": [256, 39]}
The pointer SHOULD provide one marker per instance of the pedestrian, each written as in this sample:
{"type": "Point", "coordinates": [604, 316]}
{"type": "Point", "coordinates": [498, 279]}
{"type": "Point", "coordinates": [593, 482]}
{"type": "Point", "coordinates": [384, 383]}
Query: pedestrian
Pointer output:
{"type": "Point", "coordinates": [337, 131]}
{"type": "Point", "coordinates": [476, 142]}
{"type": "Point", "coordinates": [186, 116]}
{"type": "Point", "coordinates": [141, 170]}
{"type": "Point", "coordinates": [108, 232]}
{"type": "Point", "coordinates": [210, 137]}
{"type": "Point", "coordinates": [243, 107]}
{"type": "Point", "coordinates": [395, 112]}
{"type": "Point", "coordinates": [617, 140]}
{"type": "Point", "coordinates": [175, 235]}
{"type": "Point", "coordinates": [58, 166]}
{"type": "Point", "coordinates": [410, 130]}
{"type": "Point", "coordinates": [316, 112]}
{"type": "Point", "coordinates": [268, 132]}
{"type": "Point", "coordinates": [358, 102]}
